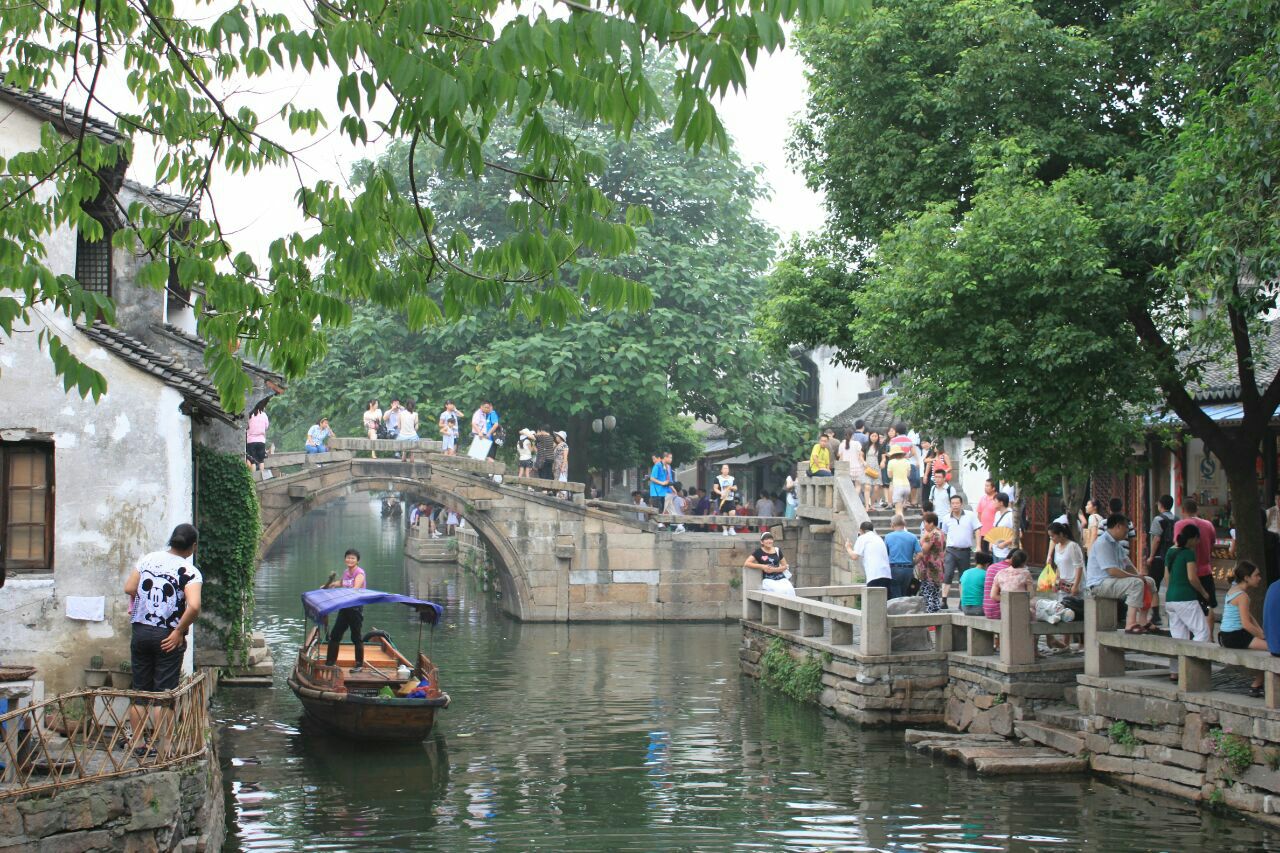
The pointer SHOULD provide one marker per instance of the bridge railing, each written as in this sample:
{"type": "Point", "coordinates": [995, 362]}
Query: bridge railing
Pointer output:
{"type": "Point", "coordinates": [292, 460]}
{"type": "Point", "coordinates": [1015, 632]}
{"type": "Point", "coordinates": [861, 623]}
{"type": "Point", "coordinates": [387, 445]}
{"type": "Point", "coordinates": [1106, 647]}
{"type": "Point", "coordinates": [87, 735]}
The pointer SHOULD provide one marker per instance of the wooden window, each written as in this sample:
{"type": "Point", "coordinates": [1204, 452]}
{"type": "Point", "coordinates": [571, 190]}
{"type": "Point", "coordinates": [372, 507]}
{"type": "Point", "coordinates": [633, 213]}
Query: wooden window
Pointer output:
{"type": "Point", "coordinates": [93, 263]}
{"type": "Point", "coordinates": [26, 506]}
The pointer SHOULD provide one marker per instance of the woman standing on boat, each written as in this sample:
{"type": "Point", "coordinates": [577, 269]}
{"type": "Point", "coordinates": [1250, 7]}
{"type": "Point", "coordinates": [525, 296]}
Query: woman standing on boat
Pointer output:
{"type": "Point", "coordinates": [349, 617]}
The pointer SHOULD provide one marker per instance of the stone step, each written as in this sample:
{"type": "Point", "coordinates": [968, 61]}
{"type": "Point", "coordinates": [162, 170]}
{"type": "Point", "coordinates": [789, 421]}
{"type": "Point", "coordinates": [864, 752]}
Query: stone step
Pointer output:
{"type": "Point", "coordinates": [1019, 764]}
{"type": "Point", "coordinates": [1063, 717]}
{"type": "Point", "coordinates": [245, 681]}
{"type": "Point", "coordinates": [1055, 738]}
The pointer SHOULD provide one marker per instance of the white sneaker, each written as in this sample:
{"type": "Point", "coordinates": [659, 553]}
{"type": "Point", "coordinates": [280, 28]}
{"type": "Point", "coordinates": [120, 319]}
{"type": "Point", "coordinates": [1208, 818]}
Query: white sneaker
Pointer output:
{"type": "Point", "coordinates": [733, 531]}
{"type": "Point", "coordinates": [680, 528]}
{"type": "Point", "coordinates": [725, 531]}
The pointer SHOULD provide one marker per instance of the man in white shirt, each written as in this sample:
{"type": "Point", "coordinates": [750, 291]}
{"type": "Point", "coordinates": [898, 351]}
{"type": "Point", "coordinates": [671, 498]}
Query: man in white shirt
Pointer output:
{"type": "Point", "coordinates": [960, 526]}
{"type": "Point", "coordinates": [872, 554]}
{"type": "Point", "coordinates": [940, 492]}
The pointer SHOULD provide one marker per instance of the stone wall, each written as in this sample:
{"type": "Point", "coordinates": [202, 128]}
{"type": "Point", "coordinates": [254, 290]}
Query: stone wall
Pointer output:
{"type": "Point", "coordinates": [177, 809]}
{"type": "Point", "coordinates": [985, 696]}
{"type": "Point", "coordinates": [1147, 735]}
{"type": "Point", "coordinates": [901, 689]}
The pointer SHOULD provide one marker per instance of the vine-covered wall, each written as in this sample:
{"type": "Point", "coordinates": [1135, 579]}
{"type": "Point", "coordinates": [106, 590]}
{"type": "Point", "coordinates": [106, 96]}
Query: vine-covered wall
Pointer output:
{"type": "Point", "coordinates": [230, 526]}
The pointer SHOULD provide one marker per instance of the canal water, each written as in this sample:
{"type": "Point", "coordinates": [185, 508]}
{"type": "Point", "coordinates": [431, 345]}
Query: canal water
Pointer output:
{"type": "Point", "coordinates": [618, 737]}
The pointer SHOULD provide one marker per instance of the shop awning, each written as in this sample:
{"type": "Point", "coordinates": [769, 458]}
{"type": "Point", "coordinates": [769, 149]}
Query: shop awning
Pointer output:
{"type": "Point", "coordinates": [1223, 413]}
{"type": "Point", "coordinates": [747, 458]}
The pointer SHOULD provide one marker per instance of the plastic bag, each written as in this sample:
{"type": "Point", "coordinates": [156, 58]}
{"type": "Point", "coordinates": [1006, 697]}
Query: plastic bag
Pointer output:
{"type": "Point", "coordinates": [1048, 580]}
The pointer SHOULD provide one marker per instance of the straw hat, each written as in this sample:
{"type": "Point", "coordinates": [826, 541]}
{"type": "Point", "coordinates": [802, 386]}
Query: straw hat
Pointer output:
{"type": "Point", "coordinates": [564, 436]}
{"type": "Point", "coordinates": [897, 451]}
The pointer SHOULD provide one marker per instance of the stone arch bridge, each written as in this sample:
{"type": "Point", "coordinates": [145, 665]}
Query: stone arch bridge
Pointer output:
{"type": "Point", "coordinates": [558, 560]}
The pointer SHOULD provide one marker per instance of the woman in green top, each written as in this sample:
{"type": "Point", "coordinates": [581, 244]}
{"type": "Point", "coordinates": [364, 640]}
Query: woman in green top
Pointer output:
{"type": "Point", "coordinates": [1182, 598]}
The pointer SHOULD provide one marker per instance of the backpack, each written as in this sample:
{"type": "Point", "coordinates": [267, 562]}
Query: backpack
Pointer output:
{"type": "Point", "coordinates": [1166, 537]}
{"type": "Point", "coordinates": [382, 430]}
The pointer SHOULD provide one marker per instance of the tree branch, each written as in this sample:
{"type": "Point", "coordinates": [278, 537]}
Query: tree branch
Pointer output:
{"type": "Point", "coordinates": [1244, 353]}
{"type": "Point", "coordinates": [1200, 424]}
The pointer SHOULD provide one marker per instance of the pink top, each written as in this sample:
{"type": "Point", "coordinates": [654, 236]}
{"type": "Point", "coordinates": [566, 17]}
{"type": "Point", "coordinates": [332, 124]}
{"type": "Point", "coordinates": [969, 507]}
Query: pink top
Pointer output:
{"type": "Point", "coordinates": [987, 507]}
{"type": "Point", "coordinates": [990, 608]}
{"type": "Point", "coordinates": [349, 577]}
{"type": "Point", "coordinates": [1012, 580]}
{"type": "Point", "coordinates": [1204, 547]}
{"type": "Point", "coordinates": [257, 433]}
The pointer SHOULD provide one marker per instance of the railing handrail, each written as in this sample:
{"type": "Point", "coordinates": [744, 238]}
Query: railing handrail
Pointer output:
{"type": "Point", "coordinates": [174, 729]}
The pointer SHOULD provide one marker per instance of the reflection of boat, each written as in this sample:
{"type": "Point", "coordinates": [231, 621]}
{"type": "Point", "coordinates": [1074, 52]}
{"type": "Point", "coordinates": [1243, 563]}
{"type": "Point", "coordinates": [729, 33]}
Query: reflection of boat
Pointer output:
{"type": "Point", "coordinates": [391, 507]}
{"type": "Point", "coordinates": [357, 704]}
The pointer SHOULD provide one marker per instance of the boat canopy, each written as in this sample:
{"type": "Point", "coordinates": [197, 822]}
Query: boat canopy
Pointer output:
{"type": "Point", "coordinates": [321, 602]}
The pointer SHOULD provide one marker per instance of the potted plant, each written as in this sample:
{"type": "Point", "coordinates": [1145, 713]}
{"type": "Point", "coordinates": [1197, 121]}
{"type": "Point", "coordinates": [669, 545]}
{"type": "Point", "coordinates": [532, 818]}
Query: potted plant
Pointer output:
{"type": "Point", "coordinates": [96, 674]}
{"type": "Point", "coordinates": [123, 676]}
{"type": "Point", "coordinates": [68, 719]}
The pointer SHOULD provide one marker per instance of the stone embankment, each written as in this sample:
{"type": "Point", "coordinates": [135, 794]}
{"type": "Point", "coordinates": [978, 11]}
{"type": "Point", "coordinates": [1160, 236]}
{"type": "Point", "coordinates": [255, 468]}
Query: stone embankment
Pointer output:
{"type": "Point", "coordinates": [175, 809]}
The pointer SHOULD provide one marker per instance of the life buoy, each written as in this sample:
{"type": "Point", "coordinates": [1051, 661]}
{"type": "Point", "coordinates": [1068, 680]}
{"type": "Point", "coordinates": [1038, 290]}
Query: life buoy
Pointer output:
{"type": "Point", "coordinates": [376, 633]}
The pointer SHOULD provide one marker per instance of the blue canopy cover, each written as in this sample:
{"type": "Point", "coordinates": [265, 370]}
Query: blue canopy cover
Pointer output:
{"type": "Point", "coordinates": [320, 602]}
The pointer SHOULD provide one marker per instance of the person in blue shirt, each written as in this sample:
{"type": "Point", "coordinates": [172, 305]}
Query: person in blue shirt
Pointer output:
{"type": "Point", "coordinates": [903, 547]}
{"type": "Point", "coordinates": [659, 483]}
{"type": "Point", "coordinates": [491, 430]}
{"type": "Point", "coordinates": [1271, 618]}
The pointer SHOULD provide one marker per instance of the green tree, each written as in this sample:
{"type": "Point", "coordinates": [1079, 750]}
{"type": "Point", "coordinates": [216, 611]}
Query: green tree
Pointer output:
{"type": "Point", "coordinates": [702, 258]}
{"type": "Point", "coordinates": [1054, 210]}
{"type": "Point", "coordinates": [438, 74]}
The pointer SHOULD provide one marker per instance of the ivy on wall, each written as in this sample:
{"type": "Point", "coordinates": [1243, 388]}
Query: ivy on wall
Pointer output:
{"type": "Point", "coordinates": [230, 527]}
{"type": "Point", "coordinates": [801, 680]}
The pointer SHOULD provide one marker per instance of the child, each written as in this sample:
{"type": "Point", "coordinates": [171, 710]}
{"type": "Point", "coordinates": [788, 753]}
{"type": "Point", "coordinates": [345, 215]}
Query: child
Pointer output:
{"type": "Point", "coordinates": [972, 583]}
{"type": "Point", "coordinates": [524, 451]}
{"type": "Point", "coordinates": [451, 523]}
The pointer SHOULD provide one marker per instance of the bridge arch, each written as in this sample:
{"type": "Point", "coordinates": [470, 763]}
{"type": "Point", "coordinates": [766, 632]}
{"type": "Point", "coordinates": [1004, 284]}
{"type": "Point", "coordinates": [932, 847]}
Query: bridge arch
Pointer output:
{"type": "Point", "coordinates": [285, 499]}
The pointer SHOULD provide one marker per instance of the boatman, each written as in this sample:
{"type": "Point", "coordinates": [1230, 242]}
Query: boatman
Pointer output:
{"type": "Point", "coordinates": [349, 617]}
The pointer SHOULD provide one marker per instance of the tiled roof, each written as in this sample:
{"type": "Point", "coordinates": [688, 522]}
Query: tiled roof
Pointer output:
{"type": "Point", "coordinates": [64, 117]}
{"type": "Point", "coordinates": [198, 343]}
{"type": "Point", "coordinates": [163, 201]}
{"type": "Point", "coordinates": [195, 387]}
{"type": "Point", "coordinates": [874, 407]}
{"type": "Point", "coordinates": [1220, 381]}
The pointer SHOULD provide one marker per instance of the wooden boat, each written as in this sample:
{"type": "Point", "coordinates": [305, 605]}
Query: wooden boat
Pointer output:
{"type": "Point", "coordinates": [349, 703]}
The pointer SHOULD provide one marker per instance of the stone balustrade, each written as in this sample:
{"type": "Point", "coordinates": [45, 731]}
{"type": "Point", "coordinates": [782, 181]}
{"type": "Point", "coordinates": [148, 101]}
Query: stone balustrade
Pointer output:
{"type": "Point", "coordinates": [1014, 634]}
{"type": "Point", "coordinates": [1105, 649]}
{"type": "Point", "coordinates": [815, 496]}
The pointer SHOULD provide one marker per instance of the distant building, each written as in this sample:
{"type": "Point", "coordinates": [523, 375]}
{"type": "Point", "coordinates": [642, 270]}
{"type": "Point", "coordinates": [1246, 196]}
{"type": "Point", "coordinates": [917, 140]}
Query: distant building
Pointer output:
{"type": "Point", "coordinates": [86, 488]}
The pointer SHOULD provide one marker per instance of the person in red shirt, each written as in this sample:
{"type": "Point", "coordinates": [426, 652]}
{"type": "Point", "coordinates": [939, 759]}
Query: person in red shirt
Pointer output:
{"type": "Point", "coordinates": [987, 509]}
{"type": "Point", "coordinates": [1204, 549]}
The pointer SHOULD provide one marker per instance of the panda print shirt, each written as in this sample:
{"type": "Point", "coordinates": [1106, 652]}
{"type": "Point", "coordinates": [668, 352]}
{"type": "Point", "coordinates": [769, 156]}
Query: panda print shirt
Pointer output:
{"type": "Point", "coordinates": [162, 578]}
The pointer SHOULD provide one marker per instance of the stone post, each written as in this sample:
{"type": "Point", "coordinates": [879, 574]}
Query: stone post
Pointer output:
{"type": "Point", "coordinates": [1101, 615]}
{"type": "Point", "coordinates": [788, 619]}
{"type": "Point", "coordinates": [875, 621]}
{"type": "Point", "coordinates": [811, 625]}
{"type": "Point", "coordinates": [751, 580]}
{"type": "Point", "coordinates": [1017, 644]}
{"type": "Point", "coordinates": [1194, 674]}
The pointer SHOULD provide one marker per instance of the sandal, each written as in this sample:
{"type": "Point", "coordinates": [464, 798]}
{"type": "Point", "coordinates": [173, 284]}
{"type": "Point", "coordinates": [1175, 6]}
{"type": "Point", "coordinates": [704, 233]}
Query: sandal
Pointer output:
{"type": "Point", "coordinates": [1136, 629]}
{"type": "Point", "coordinates": [1256, 692]}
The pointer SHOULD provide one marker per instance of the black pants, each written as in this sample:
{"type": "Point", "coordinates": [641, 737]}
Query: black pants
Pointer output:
{"type": "Point", "coordinates": [1157, 575]}
{"type": "Point", "coordinates": [154, 670]}
{"type": "Point", "coordinates": [353, 618]}
{"type": "Point", "coordinates": [884, 582]}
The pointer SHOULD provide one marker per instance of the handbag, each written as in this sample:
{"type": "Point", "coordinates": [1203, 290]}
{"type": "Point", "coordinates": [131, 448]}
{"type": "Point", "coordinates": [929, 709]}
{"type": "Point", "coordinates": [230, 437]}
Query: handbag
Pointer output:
{"type": "Point", "coordinates": [1075, 604]}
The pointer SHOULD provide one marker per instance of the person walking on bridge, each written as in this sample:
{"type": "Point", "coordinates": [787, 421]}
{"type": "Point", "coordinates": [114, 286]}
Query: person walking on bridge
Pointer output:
{"type": "Point", "coordinates": [449, 428]}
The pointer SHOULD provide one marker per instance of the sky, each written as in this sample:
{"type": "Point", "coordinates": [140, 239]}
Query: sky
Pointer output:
{"type": "Point", "coordinates": [257, 208]}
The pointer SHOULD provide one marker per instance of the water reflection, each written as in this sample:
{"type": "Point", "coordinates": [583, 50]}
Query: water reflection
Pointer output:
{"type": "Point", "coordinates": [619, 737]}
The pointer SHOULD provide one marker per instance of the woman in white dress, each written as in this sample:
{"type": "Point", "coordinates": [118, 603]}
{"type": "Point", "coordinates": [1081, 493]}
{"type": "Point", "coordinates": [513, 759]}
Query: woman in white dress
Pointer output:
{"type": "Point", "coordinates": [372, 417]}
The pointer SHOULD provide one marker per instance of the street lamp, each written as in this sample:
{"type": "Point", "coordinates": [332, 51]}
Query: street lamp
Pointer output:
{"type": "Point", "coordinates": [605, 425]}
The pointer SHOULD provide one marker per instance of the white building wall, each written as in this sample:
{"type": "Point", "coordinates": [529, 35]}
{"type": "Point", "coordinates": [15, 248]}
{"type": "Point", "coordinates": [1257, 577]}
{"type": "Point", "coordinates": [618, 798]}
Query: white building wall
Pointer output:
{"type": "Point", "coordinates": [838, 386]}
{"type": "Point", "coordinates": [122, 475]}
{"type": "Point", "coordinates": [969, 468]}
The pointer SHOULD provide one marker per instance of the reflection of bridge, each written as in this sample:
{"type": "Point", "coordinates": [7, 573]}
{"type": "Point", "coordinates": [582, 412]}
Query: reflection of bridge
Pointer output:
{"type": "Point", "coordinates": [558, 560]}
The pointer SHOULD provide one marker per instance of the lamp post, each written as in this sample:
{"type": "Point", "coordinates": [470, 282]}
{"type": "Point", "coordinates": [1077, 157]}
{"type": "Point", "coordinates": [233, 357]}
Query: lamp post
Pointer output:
{"type": "Point", "coordinates": [606, 426]}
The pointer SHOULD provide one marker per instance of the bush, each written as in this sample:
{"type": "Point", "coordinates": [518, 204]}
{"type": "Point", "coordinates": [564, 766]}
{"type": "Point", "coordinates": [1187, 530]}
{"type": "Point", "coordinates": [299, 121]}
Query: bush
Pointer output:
{"type": "Point", "coordinates": [779, 670]}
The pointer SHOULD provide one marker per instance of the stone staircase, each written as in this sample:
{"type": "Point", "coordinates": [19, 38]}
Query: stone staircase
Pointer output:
{"type": "Point", "coordinates": [993, 755]}
{"type": "Point", "coordinates": [424, 549]}
{"type": "Point", "coordinates": [258, 673]}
